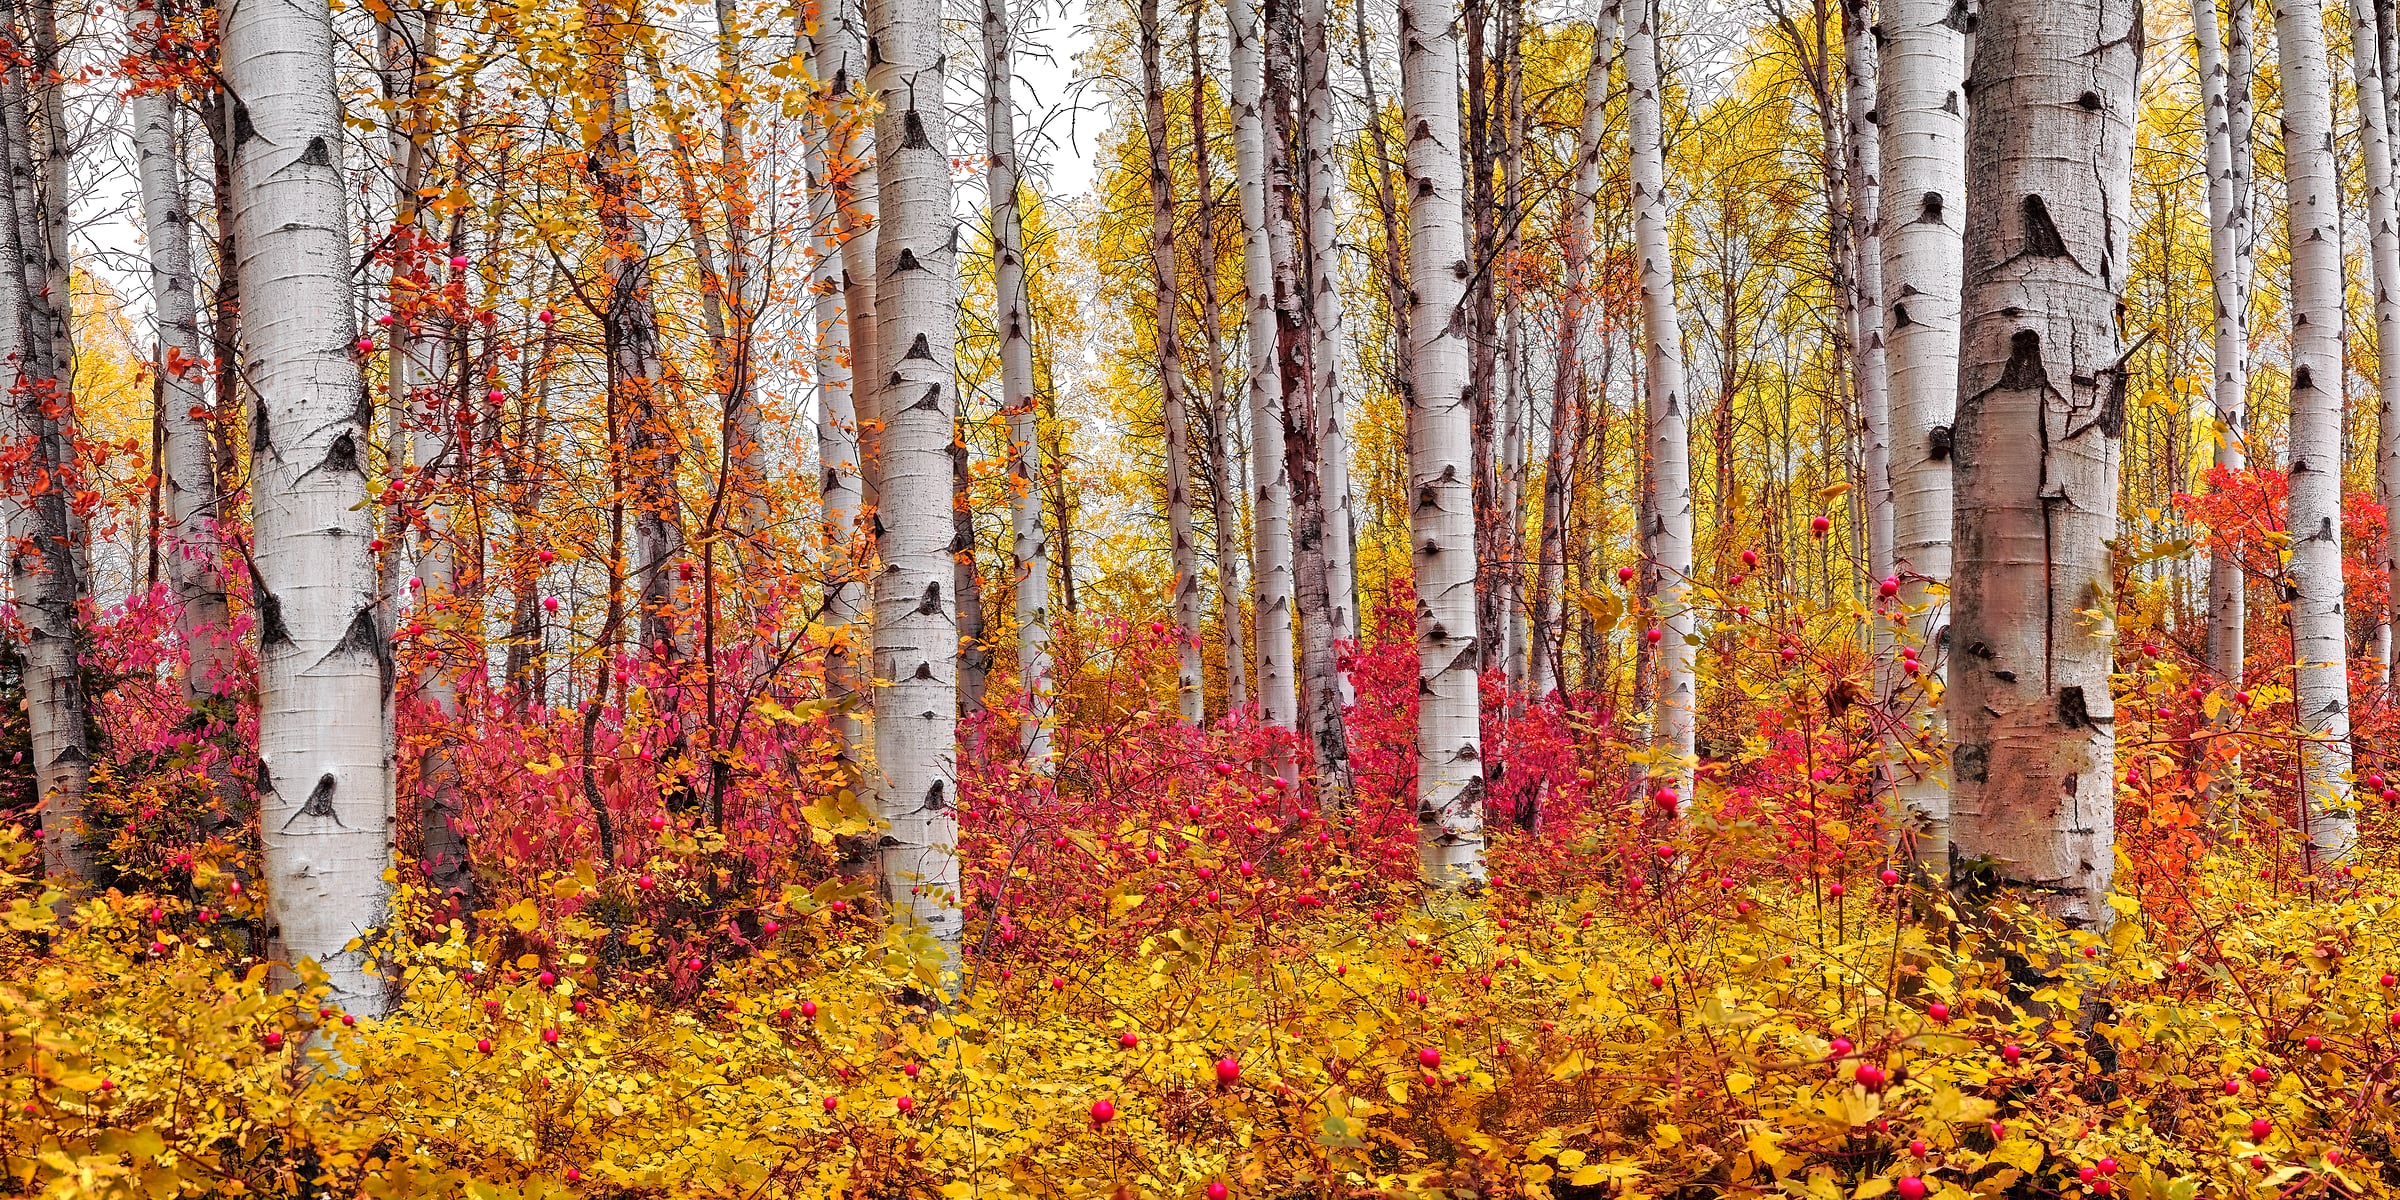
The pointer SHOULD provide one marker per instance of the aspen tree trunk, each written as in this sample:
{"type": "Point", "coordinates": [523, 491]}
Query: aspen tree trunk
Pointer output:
{"type": "Point", "coordinates": [1271, 509]}
{"type": "Point", "coordinates": [1029, 548]}
{"type": "Point", "coordinates": [839, 489]}
{"type": "Point", "coordinates": [187, 465]}
{"type": "Point", "coordinates": [744, 288]}
{"type": "Point", "coordinates": [1393, 267]}
{"type": "Point", "coordinates": [636, 363]}
{"type": "Point", "coordinates": [916, 626]}
{"type": "Point", "coordinates": [1174, 405]}
{"type": "Point", "coordinates": [1223, 496]}
{"type": "Point", "coordinates": [1673, 726]}
{"type": "Point", "coordinates": [2321, 677]}
{"type": "Point", "coordinates": [974, 649]}
{"type": "Point", "coordinates": [2383, 240]}
{"type": "Point", "coordinates": [325, 668]}
{"type": "Point", "coordinates": [1509, 591]}
{"type": "Point", "coordinates": [2041, 407]}
{"type": "Point", "coordinates": [418, 377]}
{"type": "Point", "coordinates": [1304, 420]}
{"type": "Point", "coordinates": [45, 571]}
{"type": "Point", "coordinates": [2227, 231]}
{"type": "Point", "coordinates": [1575, 345]}
{"type": "Point", "coordinates": [1865, 169]}
{"type": "Point", "coordinates": [842, 57]}
{"type": "Point", "coordinates": [1921, 108]}
{"type": "Point", "coordinates": [1450, 782]}
{"type": "Point", "coordinates": [1329, 343]}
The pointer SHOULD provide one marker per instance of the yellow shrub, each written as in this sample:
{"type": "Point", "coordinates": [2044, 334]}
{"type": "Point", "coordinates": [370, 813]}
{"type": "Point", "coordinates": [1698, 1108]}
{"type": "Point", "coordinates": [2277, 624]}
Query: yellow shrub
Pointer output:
{"type": "Point", "coordinates": [1709, 1040]}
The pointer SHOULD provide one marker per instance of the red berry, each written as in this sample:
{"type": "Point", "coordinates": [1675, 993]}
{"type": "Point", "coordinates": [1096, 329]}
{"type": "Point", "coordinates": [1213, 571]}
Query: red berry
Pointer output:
{"type": "Point", "coordinates": [1429, 1058]}
{"type": "Point", "coordinates": [550, 1037]}
{"type": "Point", "coordinates": [808, 1010]}
{"type": "Point", "coordinates": [1889, 877]}
{"type": "Point", "coordinates": [2011, 1052]}
{"type": "Point", "coordinates": [1103, 1112]}
{"type": "Point", "coordinates": [905, 1104]}
{"type": "Point", "coordinates": [1130, 1040]}
{"type": "Point", "coordinates": [832, 1103]}
{"type": "Point", "coordinates": [2260, 1075]}
{"type": "Point", "coordinates": [1938, 1011]}
{"type": "Point", "coordinates": [1216, 1191]}
{"type": "Point", "coordinates": [1820, 525]}
{"type": "Point", "coordinates": [2314, 1043]}
{"type": "Point", "coordinates": [483, 1045]}
{"type": "Point", "coordinates": [273, 1039]}
{"type": "Point", "coordinates": [1910, 1188]}
{"type": "Point", "coordinates": [1749, 558]}
{"type": "Point", "coordinates": [2260, 1129]}
{"type": "Point", "coordinates": [1229, 1070]}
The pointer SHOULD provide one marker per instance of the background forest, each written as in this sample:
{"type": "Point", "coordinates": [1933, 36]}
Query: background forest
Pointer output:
{"type": "Point", "coordinates": [1291, 599]}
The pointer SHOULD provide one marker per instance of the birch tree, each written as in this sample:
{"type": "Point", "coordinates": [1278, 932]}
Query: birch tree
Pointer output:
{"type": "Point", "coordinates": [1868, 366]}
{"type": "Point", "coordinates": [45, 560]}
{"type": "Point", "coordinates": [1271, 508]}
{"type": "Point", "coordinates": [1029, 547]}
{"type": "Point", "coordinates": [840, 490]}
{"type": "Point", "coordinates": [916, 625]}
{"type": "Point", "coordinates": [1174, 405]}
{"type": "Point", "coordinates": [2383, 242]}
{"type": "Point", "coordinates": [1328, 342]}
{"type": "Point", "coordinates": [1572, 369]}
{"type": "Point", "coordinates": [2228, 237]}
{"type": "Point", "coordinates": [325, 668]}
{"type": "Point", "coordinates": [1669, 523]}
{"type": "Point", "coordinates": [1921, 108]}
{"type": "Point", "coordinates": [1450, 781]}
{"type": "Point", "coordinates": [187, 466]}
{"type": "Point", "coordinates": [1224, 502]}
{"type": "Point", "coordinates": [2321, 676]}
{"type": "Point", "coordinates": [2042, 383]}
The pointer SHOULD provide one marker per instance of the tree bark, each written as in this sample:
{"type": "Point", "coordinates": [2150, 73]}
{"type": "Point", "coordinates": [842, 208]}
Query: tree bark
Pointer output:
{"type": "Point", "coordinates": [325, 667]}
{"type": "Point", "coordinates": [839, 488]}
{"type": "Point", "coordinates": [2383, 241]}
{"type": "Point", "coordinates": [1673, 725]}
{"type": "Point", "coordinates": [1223, 496]}
{"type": "Point", "coordinates": [1921, 108]}
{"type": "Point", "coordinates": [45, 569]}
{"type": "Point", "coordinates": [1575, 350]}
{"type": "Point", "coordinates": [2321, 677]}
{"type": "Point", "coordinates": [1271, 509]}
{"type": "Point", "coordinates": [1442, 512]}
{"type": "Point", "coordinates": [1029, 547]}
{"type": "Point", "coordinates": [2227, 231]}
{"type": "Point", "coordinates": [916, 628]}
{"type": "Point", "coordinates": [1329, 344]}
{"type": "Point", "coordinates": [2042, 391]}
{"type": "Point", "coordinates": [1865, 171]}
{"type": "Point", "coordinates": [193, 550]}
{"type": "Point", "coordinates": [1174, 404]}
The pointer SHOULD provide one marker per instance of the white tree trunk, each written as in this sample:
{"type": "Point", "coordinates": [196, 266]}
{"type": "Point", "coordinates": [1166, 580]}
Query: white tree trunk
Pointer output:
{"type": "Point", "coordinates": [187, 464]}
{"type": "Point", "coordinates": [2321, 677]}
{"type": "Point", "coordinates": [45, 568]}
{"type": "Point", "coordinates": [842, 69]}
{"type": "Point", "coordinates": [1673, 725]}
{"type": "Point", "coordinates": [1868, 365]}
{"type": "Point", "coordinates": [1174, 406]}
{"type": "Point", "coordinates": [1029, 547]}
{"type": "Point", "coordinates": [1921, 106]}
{"type": "Point", "coordinates": [1576, 347]}
{"type": "Point", "coordinates": [1271, 510]}
{"type": "Point", "coordinates": [840, 491]}
{"type": "Point", "coordinates": [325, 669]}
{"type": "Point", "coordinates": [916, 624]}
{"type": "Point", "coordinates": [1223, 492]}
{"type": "Point", "coordinates": [1329, 343]}
{"type": "Point", "coordinates": [1450, 783]}
{"type": "Point", "coordinates": [2227, 231]}
{"type": "Point", "coordinates": [2042, 393]}
{"type": "Point", "coordinates": [2383, 242]}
